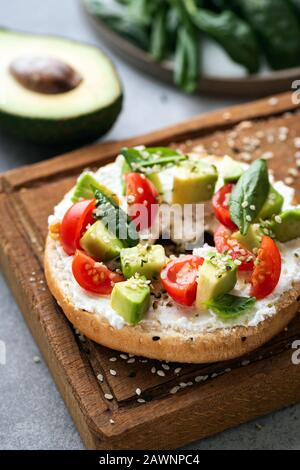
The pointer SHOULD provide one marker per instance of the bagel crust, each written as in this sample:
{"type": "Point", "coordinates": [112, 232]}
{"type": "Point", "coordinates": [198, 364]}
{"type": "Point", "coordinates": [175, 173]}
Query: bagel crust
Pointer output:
{"type": "Point", "coordinates": [157, 342]}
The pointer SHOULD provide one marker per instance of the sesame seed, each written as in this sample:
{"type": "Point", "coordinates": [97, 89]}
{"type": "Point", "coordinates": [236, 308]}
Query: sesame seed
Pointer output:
{"type": "Point", "coordinates": [245, 204]}
{"type": "Point", "coordinates": [248, 218]}
{"type": "Point", "coordinates": [227, 370]}
{"type": "Point", "coordinates": [153, 370]}
{"type": "Point", "coordinates": [183, 384]}
{"type": "Point", "coordinates": [237, 262]}
{"type": "Point", "coordinates": [267, 155]}
{"type": "Point", "coordinates": [252, 207]}
{"type": "Point", "coordinates": [112, 359]}
{"type": "Point", "coordinates": [246, 362]}
{"type": "Point", "coordinates": [161, 373]}
{"type": "Point", "coordinates": [108, 396]}
{"type": "Point", "coordinates": [165, 366]}
{"type": "Point", "coordinates": [113, 372]}
{"type": "Point", "coordinates": [138, 391]}
{"type": "Point", "coordinates": [111, 421]}
{"type": "Point", "coordinates": [131, 360]}
{"type": "Point", "coordinates": [273, 101]}
{"type": "Point", "coordinates": [174, 390]}
{"type": "Point", "coordinates": [200, 378]}
{"type": "Point", "coordinates": [214, 375]}
{"type": "Point", "coordinates": [190, 384]}
{"type": "Point", "coordinates": [141, 400]}
{"type": "Point", "coordinates": [297, 142]}
{"type": "Point", "coordinates": [293, 171]}
{"type": "Point", "coordinates": [278, 219]}
{"type": "Point", "coordinates": [123, 356]}
{"type": "Point", "coordinates": [289, 180]}
{"type": "Point", "coordinates": [36, 359]}
{"type": "Point", "coordinates": [100, 377]}
{"type": "Point", "coordinates": [177, 370]}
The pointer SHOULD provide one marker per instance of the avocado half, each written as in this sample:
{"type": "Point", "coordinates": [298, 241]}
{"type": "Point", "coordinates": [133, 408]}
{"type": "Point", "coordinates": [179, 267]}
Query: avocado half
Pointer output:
{"type": "Point", "coordinates": [55, 90]}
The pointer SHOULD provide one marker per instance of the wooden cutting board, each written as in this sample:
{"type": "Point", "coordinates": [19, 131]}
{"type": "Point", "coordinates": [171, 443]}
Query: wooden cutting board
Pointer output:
{"type": "Point", "coordinates": [210, 398]}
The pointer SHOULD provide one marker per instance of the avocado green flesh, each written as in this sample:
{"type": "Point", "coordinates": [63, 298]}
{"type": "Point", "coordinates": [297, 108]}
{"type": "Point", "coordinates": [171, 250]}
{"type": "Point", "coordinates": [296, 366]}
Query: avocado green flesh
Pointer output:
{"type": "Point", "coordinates": [131, 300]}
{"type": "Point", "coordinates": [84, 113]}
{"type": "Point", "coordinates": [272, 205]}
{"type": "Point", "coordinates": [86, 186]}
{"type": "Point", "coordinates": [194, 181]}
{"type": "Point", "coordinates": [99, 243]}
{"type": "Point", "coordinates": [147, 260]}
{"type": "Point", "coordinates": [289, 227]}
{"type": "Point", "coordinates": [252, 239]}
{"type": "Point", "coordinates": [231, 170]}
{"type": "Point", "coordinates": [214, 281]}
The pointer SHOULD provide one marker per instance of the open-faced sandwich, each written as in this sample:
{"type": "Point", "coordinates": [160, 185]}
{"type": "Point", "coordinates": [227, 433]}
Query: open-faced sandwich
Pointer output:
{"type": "Point", "coordinates": [125, 279]}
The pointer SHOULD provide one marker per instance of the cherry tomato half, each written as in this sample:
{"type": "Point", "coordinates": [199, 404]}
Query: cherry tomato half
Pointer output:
{"type": "Point", "coordinates": [220, 204]}
{"type": "Point", "coordinates": [141, 192]}
{"type": "Point", "coordinates": [267, 269]}
{"type": "Point", "coordinates": [179, 278]}
{"type": "Point", "coordinates": [74, 224]}
{"type": "Point", "coordinates": [224, 243]}
{"type": "Point", "coordinates": [92, 276]}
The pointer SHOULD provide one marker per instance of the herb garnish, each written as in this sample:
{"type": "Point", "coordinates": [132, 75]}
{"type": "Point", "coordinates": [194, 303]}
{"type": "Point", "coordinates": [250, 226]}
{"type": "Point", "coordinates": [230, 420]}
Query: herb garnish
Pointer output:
{"type": "Point", "coordinates": [151, 159]}
{"type": "Point", "coordinates": [249, 195]}
{"type": "Point", "coordinates": [230, 306]}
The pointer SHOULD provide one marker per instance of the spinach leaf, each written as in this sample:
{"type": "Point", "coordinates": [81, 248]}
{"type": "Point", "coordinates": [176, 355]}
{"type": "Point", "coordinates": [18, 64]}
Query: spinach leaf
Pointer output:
{"type": "Point", "coordinates": [230, 306]}
{"type": "Point", "coordinates": [249, 195]}
{"type": "Point", "coordinates": [115, 219]}
{"type": "Point", "coordinates": [151, 159]}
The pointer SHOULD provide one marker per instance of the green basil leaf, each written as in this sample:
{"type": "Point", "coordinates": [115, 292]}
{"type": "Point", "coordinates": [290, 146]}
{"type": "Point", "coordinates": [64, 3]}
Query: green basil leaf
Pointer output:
{"type": "Point", "coordinates": [230, 306]}
{"type": "Point", "coordinates": [151, 159]}
{"type": "Point", "coordinates": [249, 195]}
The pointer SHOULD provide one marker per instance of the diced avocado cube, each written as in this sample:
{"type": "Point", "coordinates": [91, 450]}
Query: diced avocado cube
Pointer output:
{"type": "Point", "coordinates": [272, 205]}
{"type": "Point", "coordinates": [101, 244]}
{"type": "Point", "coordinates": [252, 239]}
{"type": "Point", "coordinates": [156, 181]}
{"type": "Point", "coordinates": [131, 299]}
{"type": "Point", "coordinates": [217, 276]}
{"type": "Point", "coordinates": [286, 226]}
{"type": "Point", "coordinates": [86, 186]}
{"type": "Point", "coordinates": [194, 181]}
{"type": "Point", "coordinates": [230, 170]}
{"type": "Point", "coordinates": [147, 260]}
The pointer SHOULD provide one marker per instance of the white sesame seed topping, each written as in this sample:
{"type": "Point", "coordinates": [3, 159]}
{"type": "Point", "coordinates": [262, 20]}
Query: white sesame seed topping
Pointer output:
{"type": "Point", "coordinates": [177, 370]}
{"type": "Point", "coordinates": [246, 362]}
{"type": "Point", "coordinates": [100, 377]}
{"type": "Point", "coordinates": [245, 204]}
{"type": "Point", "coordinates": [297, 142]}
{"type": "Point", "coordinates": [108, 396]}
{"type": "Point", "coordinates": [289, 180]}
{"type": "Point", "coordinates": [248, 218]}
{"type": "Point", "coordinates": [252, 207]}
{"type": "Point", "coordinates": [113, 372]}
{"type": "Point", "coordinates": [174, 389]}
{"type": "Point", "coordinates": [111, 421]}
{"type": "Point", "coordinates": [273, 101]}
{"type": "Point", "coordinates": [278, 219]}
{"type": "Point", "coordinates": [153, 370]}
{"type": "Point", "coordinates": [165, 366]}
{"type": "Point", "coordinates": [112, 359]}
{"type": "Point", "coordinates": [131, 360]}
{"type": "Point", "coordinates": [138, 391]}
{"type": "Point", "coordinates": [123, 356]}
{"type": "Point", "coordinates": [161, 373]}
{"type": "Point", "coordinates": [36, 359]}
{"type": "Point", "coordinates": [141, 400]}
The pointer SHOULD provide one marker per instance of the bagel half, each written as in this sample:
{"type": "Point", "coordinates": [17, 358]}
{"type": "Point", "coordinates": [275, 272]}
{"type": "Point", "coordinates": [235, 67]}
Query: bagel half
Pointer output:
{"type": "Point", "coordinates": [157, 342]}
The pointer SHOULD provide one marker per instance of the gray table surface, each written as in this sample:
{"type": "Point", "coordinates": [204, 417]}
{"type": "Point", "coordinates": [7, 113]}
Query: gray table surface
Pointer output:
{"type": "Point", "coordinates": [32, 413]}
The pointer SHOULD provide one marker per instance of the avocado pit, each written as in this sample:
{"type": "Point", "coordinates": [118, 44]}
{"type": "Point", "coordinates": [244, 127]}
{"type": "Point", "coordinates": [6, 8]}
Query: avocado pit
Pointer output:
{"type": "Point", "coordinates": [45, 75]}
